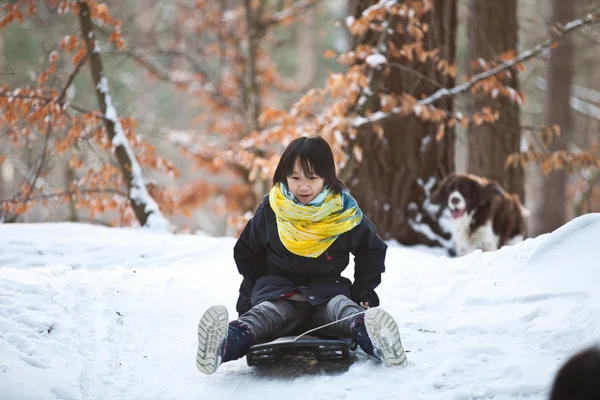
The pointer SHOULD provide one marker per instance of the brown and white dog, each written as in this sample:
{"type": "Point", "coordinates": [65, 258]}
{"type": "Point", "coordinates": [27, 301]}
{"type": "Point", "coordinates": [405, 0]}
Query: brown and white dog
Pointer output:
{"type": "Point", "coordinates": [484, 216]}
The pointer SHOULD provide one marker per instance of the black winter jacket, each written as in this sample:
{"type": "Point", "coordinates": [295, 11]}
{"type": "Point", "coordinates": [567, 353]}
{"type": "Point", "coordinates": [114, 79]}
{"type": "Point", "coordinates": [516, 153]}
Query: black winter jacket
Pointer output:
{"type": "Point", "coordinates": [270, 271]}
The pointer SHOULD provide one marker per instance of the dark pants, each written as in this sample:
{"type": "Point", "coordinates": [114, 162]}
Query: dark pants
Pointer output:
{"type": "Point", "coordinates": [272, 319]}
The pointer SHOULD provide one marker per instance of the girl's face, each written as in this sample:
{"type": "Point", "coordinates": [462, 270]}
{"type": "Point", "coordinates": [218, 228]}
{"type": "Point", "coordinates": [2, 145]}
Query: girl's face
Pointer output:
{"type": "Point", "coordinates": [304, 188]}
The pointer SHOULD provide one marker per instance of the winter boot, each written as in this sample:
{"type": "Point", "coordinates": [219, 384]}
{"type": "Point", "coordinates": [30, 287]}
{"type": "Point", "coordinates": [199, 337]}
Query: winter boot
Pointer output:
{"type": "Point", "coordinates": [219, 341]}
{"type": "Point", "coordinates": [377, 334]}
{"type": "Point", "coordinates": [239, 340]}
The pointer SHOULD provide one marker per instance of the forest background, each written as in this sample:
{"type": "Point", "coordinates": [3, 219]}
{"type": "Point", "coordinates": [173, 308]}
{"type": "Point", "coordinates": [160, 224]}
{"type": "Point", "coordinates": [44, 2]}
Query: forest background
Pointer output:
{"type": "Point", "coordinates": [173, 113]}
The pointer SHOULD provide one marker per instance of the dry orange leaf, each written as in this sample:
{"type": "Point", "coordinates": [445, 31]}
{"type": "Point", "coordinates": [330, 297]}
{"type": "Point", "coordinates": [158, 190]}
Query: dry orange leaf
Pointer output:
{"type": "Point", "coordinates": [330, 53]}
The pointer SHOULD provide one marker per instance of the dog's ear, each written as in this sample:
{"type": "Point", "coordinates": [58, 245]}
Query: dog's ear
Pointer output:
{"type": "Point", "coordinates": [489, 191]}
{"type": "Point", "coordinates": [440, 194]}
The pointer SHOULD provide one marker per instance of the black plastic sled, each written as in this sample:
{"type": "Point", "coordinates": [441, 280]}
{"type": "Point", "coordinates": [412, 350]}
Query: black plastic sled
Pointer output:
{"type": "Point", "coordinates": [322, 350]}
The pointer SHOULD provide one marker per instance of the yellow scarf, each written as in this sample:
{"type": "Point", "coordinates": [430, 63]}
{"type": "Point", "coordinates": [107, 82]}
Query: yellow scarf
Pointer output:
{"type": "Point", "coordinates": [308, 230]}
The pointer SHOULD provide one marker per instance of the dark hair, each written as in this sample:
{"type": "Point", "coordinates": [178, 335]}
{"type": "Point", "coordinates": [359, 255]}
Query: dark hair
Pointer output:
{"type": "Point", "coordinates": [316, 158]}
{"type": "Point", "coordinates": [579, 377]}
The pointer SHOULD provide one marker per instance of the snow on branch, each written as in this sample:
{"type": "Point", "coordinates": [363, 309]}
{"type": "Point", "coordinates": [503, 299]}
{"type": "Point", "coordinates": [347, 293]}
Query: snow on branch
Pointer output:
{"type": "Point", "coordinates": [559, 32]}
{"type": "Point", "coordinates": [145, 208]}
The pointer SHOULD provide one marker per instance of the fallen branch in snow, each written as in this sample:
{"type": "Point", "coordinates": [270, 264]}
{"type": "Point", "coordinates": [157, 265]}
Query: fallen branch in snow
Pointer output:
{"type": "Point", "coordinates": [145, 208]}
{"type": "Point", "coordinates": [560, 32]}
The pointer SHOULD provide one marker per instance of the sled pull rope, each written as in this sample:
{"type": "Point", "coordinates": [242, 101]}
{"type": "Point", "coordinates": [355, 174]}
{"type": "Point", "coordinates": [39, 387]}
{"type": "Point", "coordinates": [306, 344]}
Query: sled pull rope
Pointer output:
{"type": "Point", "coordinates": [331, 323]}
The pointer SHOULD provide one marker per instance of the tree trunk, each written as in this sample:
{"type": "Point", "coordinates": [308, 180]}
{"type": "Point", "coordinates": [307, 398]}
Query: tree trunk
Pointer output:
{"type": "Point", "coordinates": [551, 213]}
{"type": "Point", "coordinates": [145, 22]}
{"type": "Point", "coordinates": [398, 172]}
{"type": "Point", "coordinates": [70, 176]}
{"type": "Point", "coordinates": [306, 69]}
{"type": "Point", "coordinates": [492, 27]}
{"type": "Point", "coordinates": [252, 100]}
{"type": "Point", "coordinates": [145, 208]}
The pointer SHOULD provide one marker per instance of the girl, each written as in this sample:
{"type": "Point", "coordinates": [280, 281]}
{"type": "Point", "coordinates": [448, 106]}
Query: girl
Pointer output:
{"type": "Point", "coordinates": [291, 255]}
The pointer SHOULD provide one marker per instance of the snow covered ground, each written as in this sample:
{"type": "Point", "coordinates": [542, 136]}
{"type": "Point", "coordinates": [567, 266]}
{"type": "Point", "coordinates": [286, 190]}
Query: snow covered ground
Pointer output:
{"type": "Point", "coordinates": [96, 313]}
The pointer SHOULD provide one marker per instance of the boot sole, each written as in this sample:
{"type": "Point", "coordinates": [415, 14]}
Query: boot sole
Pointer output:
{"type": "Point", "coordinates": [212, 331]}
{"type": "Point", "coordinates": [384, 333]}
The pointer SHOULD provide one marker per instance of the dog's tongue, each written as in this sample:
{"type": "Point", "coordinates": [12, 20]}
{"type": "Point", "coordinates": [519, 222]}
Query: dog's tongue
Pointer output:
{"type": "Point", "coordinates": [457, 213]}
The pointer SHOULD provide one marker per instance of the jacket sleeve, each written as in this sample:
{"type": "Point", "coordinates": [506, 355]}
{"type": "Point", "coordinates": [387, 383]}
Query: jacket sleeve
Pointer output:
{"type": "Point", "coordinates": [250, 255]}
{"type": "Point", "coordinates": [369, 262]}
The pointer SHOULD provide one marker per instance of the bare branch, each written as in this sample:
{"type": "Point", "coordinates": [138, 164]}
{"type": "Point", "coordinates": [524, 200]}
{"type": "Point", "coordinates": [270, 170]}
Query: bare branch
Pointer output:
{"type": "Point", "coordinates": [415, 72]}
{"type": "Point", "coordinates": [295, 9]}
{"type": "Point", "coordinates": [589, 37]}
{"type": "Point", "coordinates": [29, 175]}
{"type": "Point", "coordinates": [42, 162]}
{"type": "Point", "coordinates": [194, 85]}
{"type": "Point", "coordinates": [71, 78]}
{"type": "Point", "coordinates": [560, 32]}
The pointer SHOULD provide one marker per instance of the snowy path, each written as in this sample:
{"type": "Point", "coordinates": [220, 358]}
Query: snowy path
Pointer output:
{"type": "Point", "coordinates": [96, 313]}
